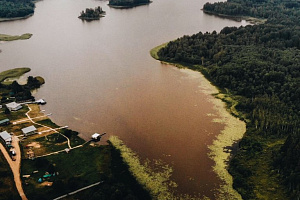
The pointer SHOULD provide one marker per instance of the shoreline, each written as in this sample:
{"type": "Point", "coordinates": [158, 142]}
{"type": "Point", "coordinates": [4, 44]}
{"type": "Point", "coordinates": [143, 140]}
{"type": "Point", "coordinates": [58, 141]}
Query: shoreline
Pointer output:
{"type": "Point", "coordinates": [251, 20]}
{"type": "Point", "coordinates": [233, 131]}
{"type": "Point", "coordinates": [15, 18]}
{"type": "Point", "coordinates": [128, 6]}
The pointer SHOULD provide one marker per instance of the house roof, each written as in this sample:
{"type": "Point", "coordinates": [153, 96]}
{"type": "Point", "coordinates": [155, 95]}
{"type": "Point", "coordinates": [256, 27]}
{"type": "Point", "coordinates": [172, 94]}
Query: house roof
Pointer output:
{"type": "Point", "coordinates": [28, 129]}
{"type": "Point", "coordinates": [4, 121]}
{"type": "Point", "coordinates": [13, 105]}
{"type": "Point", "coordinates": [5, 135]}
{"type": "Point", "coordinates": [95, 135]}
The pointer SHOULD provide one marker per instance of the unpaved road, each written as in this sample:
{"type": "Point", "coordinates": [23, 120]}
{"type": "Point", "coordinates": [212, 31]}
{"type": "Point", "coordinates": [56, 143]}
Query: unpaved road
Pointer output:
{"type": "Point", "coordinates": [15, 165]}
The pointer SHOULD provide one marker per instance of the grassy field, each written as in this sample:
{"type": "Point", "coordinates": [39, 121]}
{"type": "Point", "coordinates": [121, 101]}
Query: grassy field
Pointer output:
{"type": "Point", "coordinates": [13, 73]}
{"type": "Point", "coordinates": [25, 36]}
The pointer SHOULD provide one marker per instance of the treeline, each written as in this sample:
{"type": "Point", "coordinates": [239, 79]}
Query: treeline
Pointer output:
{"type": "Point", "coordinates": [127, 2]}
{"type": "Point", "coordinates": [20, 92]}
{"type": "Point", "coordinates": [259, 65]}
{"type": "Point", "coordinates": [285, 12]}
{"type": "Point", "coordinates": [16, 8]}
{"type": "Point", "coordinates": [90, 13]}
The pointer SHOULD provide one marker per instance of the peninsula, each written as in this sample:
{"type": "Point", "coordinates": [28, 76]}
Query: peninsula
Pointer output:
{"type": "Point", "coordinates": [4, 37]}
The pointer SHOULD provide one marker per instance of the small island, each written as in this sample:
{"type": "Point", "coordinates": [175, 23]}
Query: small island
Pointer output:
{"type": "Point", "coordinates": [127, 3]}
{"type": "Point", "coordinates": [92, 14]}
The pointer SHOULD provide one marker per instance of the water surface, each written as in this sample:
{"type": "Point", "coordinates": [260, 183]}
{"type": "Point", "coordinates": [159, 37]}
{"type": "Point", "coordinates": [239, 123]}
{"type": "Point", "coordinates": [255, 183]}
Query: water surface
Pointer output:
{"type": "Point", "coordinates": [100, 78]}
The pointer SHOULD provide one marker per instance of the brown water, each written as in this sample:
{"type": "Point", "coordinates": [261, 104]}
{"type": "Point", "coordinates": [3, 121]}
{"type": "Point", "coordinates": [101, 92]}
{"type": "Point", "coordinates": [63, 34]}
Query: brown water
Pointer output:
{"type": "Point", "coordinates": [100, 78]}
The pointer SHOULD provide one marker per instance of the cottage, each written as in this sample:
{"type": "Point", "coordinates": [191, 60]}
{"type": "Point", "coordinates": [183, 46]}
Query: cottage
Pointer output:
{"type": "Point", "coordinates": [13, 106]}
{"type": "Point", "coordinates": [5, 137]}
{"type": "Point", "coordinates": [4, 122]}
{"type": "Point", "coordinates": [30, 130]}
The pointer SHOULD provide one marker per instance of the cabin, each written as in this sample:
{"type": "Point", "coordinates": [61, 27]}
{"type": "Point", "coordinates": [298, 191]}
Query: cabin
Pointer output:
{"type": "Point", "coordinates": [4, 122]}
{"type": "Point", "coordinates": [13, 106]}
{"type": "Point", "coordinates": [5, 137]}
{"type": "Point", "coordinates": [30, 130]}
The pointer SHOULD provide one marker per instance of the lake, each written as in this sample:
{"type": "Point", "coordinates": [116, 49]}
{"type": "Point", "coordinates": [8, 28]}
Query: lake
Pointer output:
{"type": "Point", "coordinates": [100, 78]}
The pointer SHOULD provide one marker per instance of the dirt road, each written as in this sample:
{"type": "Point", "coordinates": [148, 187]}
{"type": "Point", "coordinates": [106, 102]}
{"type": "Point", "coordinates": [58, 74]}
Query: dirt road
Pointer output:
{"type": "Point", "coordinates": [15, 165]}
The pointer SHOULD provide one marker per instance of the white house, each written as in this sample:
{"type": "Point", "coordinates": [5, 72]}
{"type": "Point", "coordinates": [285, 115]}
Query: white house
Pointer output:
{"type": "Point", "coordinates": [30, 130]}
{"type": "Point", "coordinates": [13, 106]}
{"type": "Point", "coordinates": [6, 137]}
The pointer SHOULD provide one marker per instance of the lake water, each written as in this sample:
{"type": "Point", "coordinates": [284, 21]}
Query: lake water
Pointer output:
{"type": "Point", "coordinates": [100, 77]}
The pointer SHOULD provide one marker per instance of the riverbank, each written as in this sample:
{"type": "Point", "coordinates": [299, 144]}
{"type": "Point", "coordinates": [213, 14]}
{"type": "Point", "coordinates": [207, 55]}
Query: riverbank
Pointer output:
{"type": "Point", "coordinates": [233, 131]}
{"type": "Point", "coordinates": [15, 18]}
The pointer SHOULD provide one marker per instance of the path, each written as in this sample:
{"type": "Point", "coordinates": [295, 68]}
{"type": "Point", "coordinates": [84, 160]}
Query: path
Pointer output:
{"type": "Point", "coordinates": [52, 129]}
{"type": "Point", "coordinates": [15, 165]}
{"type": "Point", "coordinates": [79, 190]}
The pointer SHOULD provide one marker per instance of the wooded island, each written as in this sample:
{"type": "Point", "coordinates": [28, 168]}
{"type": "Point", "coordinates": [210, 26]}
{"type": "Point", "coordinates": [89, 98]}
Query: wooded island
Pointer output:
{"type": "Point", "coordinates": [92, 14]}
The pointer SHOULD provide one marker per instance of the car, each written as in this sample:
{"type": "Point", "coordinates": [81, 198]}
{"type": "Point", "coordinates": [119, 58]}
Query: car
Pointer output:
{"type": "Point", "coordinates": [13, 152]}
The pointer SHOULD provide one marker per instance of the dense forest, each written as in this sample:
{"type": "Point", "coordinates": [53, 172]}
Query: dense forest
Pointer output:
{"type": "Point", "coordinates": [258, 65]}
{"type": "Point", "coordinates": [16, 8]}
{"type": "Point", "coordinates": [127, 2]}
{"type": "Point", "coordinates": [91, 14]}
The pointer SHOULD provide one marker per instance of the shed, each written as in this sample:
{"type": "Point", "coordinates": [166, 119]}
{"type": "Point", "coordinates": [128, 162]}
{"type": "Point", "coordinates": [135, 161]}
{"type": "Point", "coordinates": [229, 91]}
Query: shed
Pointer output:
{"type": "Point", "coordinates": [96, 136]}
{"type": "Point", "coordinates": [30, 130]}
{"type": "Point", "coordinates": [13, 106]}
{"type": "Point", "coordinates": [4, 122]}
{"type": "Point", "coordinates": [6, 137]}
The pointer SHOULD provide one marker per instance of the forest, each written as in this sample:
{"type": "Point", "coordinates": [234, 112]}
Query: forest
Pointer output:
{"type": "Point", "coordinates": [16, 8]}
{"type": "Point", "coordinates": [258, 65]}
{"type": "Point", "coordinates": [127, 2]}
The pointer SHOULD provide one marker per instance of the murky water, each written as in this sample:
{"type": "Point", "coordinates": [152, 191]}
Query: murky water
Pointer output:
{"type": "Point", "coordinates": [100, 78]}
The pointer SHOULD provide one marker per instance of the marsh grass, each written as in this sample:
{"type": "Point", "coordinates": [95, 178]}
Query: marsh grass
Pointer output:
{"type": "Point", "coordinates": [234, 128]}
{"type": "Point", "coordinates": [157, 183]}
{"type": "Point", "coordinates": [4, 37]}
{"type": "Point", "coordinates": [13, 73]}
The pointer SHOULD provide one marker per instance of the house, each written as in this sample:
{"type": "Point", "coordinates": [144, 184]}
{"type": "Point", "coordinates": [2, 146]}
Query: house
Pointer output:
{"type": "Point", "coordinates": [30, 130]}
{"type": "Point", "coordinates": [6, 137]}
{"type": "Point", "coordinates": [13, 106]}
{"type": "Point", "coordinates": [4, 122]}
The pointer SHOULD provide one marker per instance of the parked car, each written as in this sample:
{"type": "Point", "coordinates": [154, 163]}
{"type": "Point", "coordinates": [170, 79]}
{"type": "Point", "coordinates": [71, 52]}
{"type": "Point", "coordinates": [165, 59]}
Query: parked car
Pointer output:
{"type": "Point", "coordinates": [13, 152]}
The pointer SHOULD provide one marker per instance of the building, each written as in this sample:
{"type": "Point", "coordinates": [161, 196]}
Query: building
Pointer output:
{"type": "Point", "coordinates": [4, 122]}
{"type": "Point", "coordinates": [41, 102]}
{"type": "Point", "coordinates": [6, 137]}
{"type": "Point", "coordinates": [96, 137]}
{"type": "Point", "coordinates": [13, 106]}
{"type": "Point", "coordinates": [30, 130]}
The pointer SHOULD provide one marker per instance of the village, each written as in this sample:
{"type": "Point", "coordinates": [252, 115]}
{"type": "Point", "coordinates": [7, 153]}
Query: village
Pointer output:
{"type": "Point", "coordinates": [33, 135]}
